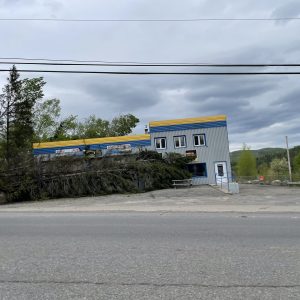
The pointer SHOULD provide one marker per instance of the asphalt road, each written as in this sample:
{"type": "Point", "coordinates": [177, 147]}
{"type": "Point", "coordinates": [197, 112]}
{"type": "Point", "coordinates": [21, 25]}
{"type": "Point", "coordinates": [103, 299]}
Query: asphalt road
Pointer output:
{"type": "Point", "coordinates": [149, 256]}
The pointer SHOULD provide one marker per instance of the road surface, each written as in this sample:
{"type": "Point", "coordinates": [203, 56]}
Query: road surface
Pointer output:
{"type": "Point", "coordinates": [149, 256]}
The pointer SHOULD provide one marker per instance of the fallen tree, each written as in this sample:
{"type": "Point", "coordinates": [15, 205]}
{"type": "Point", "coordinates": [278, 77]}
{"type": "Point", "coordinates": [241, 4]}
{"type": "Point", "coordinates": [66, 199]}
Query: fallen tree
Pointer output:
{"type": "Point", "coordinates": [76, 177]}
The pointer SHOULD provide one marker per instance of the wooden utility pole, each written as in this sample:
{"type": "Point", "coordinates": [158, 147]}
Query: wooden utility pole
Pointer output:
{"type": "Point", "coordinates": [288, 157]}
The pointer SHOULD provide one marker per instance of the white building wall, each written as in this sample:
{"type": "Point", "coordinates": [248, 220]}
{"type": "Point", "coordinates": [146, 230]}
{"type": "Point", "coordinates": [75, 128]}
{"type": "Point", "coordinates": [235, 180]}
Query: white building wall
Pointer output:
{"type": "Point", "coordinates": [215, 150]}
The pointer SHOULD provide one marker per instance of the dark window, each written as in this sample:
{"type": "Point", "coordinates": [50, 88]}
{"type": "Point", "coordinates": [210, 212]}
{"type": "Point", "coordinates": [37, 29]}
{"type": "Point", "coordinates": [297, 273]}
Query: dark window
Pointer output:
{"type": "Point", "coordinates": [160, 143]}
{"type": "Point", "coordinates": [199, 140]}
{"type": "Point", "coordinates": [220, 170]}
{"type": "Point", "coordinates": [197, 169]}
{"type": "Point", "coordinates": [179, 141]}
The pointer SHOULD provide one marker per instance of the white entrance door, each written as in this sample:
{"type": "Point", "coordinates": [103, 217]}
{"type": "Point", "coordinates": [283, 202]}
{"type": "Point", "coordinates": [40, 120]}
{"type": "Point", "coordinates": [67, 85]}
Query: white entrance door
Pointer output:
{"type": "Point", "coordinates": [221, 172]}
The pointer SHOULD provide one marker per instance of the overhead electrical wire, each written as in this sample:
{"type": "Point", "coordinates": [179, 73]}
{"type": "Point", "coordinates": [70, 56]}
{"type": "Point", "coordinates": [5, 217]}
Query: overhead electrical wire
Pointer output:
{"type": "Point", "coordinates": [124, 64]}
{"type": "Point", "coordinates": [148, 20]}
{"type": "Point", "coordinates": [80, 63]}
{"type": "Point", "coordinates": [155, 73]}
{"type": "Point", "coordinates": [74, 62]}
{"type": "Point", "coordinates": [71, 60]}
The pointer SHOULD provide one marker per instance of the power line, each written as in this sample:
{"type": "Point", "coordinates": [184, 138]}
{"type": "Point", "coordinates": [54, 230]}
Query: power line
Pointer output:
{"type": "Point", "coordinates": [110, 64]}
{"type": "Point", "coordinates": [155, 73]}
{"type": "Point", "coordinates": [71, 62]}
{"type": "Point", "coordinates": [146, 64]}
{"type": "Point", "coordinates": [147, 20]}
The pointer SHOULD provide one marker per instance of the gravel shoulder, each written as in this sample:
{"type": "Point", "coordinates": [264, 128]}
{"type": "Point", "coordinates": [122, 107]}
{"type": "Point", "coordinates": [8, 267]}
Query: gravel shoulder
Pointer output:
{"type": "Point", "coordinates": [252, 198]}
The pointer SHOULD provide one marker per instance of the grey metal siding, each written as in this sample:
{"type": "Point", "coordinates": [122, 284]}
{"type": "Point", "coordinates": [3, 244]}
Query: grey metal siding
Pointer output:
{"type": "Point", "coordinates": [216, 149]}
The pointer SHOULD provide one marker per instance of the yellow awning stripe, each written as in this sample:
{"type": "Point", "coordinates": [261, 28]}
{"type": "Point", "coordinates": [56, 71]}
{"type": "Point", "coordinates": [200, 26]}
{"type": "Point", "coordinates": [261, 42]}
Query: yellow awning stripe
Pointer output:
{"type": "Point", "coordinates": [188, 121]}
{"type": "Point", "coordinates": [104, 140]}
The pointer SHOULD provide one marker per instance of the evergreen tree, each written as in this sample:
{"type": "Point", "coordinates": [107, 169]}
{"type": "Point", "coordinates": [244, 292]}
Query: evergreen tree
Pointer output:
{"type": "Point", "coordinates": [10, 98]}
{"type": "Point", "coordinates": [17, 104]}
{"type": "Point", "coordinates": [246, 165]}
{"type": "Point", "coordinates": [23, 125]}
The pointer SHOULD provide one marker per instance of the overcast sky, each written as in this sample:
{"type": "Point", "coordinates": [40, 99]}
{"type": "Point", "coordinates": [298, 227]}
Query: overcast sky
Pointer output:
{"type": "Point", "coordinates": [261, 110]}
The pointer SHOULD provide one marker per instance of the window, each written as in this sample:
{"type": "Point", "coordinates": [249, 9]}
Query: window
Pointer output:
{"type": "Point", "coordinates": [198, 169]}
{"type": "Point", "coordinates": [179, 141]}
{"type": "Point", "coordinates": [199, 140]}
{"type": "Point", "coordinates": [220, 170]}
{"type": "Point", "coordinates": [160, 143]}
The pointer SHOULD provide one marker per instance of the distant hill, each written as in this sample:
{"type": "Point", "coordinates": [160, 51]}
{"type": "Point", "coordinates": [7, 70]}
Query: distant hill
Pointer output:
{"type": "Point", "coordinates": [234, 156]}
{"type": "Point", "coordinates": [266, 155]}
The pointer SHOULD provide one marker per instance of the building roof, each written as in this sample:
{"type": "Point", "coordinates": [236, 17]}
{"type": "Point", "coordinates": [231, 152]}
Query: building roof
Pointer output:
{"type": "Point", "coordinates": [188, 120]}
{"type": "Point", "coordinates": [94, 141]}
{"type": "Point", "coordinates": [188, 123]}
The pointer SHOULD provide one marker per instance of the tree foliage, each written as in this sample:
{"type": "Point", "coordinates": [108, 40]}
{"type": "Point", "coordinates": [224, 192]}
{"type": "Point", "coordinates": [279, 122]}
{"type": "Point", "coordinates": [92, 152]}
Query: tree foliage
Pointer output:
{"type": "Point", "coordinates": [296, 163]}
{"type": "Point", "coordinates": [46, 116]}
{"type": "Point", "coordinates": [17, 119]}
{"type": "Point", "coordinates": [93, 127]}
{"type": "Point", "coordinates": [279, 166]}
{"type": "Point", "coordinates": [66, 129]}
{"type": "Point", "coordinates": [122, 125]}
{"type": "Point", "coordinates": [49, 126]}
{"type": "Point", "coordinates": [10, 97]}
{"type": "Point", "coordinates": [246, 165]}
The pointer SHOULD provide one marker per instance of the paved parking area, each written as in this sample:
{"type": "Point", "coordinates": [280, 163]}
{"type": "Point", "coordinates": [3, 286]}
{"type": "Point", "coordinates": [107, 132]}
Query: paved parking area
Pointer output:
{"type": "Point", "coordinates": [252, 198]}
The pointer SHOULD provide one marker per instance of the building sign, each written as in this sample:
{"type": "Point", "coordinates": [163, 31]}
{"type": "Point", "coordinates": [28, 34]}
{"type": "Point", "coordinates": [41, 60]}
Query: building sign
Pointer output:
{"type": "Point", "coordinates": [67, 151]}
{"type": "Point", "coordinates": [126, 148]}
{"type": "Point", "coordinates": [191, 153]}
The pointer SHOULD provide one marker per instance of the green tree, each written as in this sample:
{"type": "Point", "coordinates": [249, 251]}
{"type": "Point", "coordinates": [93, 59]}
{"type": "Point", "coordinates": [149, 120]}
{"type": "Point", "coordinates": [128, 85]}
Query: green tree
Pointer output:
{"type": "Point", "coordinates": [17, 103]}
{"type": "Point", "coordinates": [123, 125]}
{"type": "Point", "coordinates": [46, 117]}
{"type": "Point", "coordinates": [296, 163]}
{"type": "Point", "coordinates": [246, 165]}
{"type": "Point", "coordinates": [9, 98]}
{"type": "Point", "coordinates": [263, 169]}
{"type": "Point", "coordinates": [23, 126]}
{"type": "Point", "coordinates": [279, 166]}
{"type": "Point", "coordinates": [93, 127]}
{"type": "Point", "coordinates": [66, 129]}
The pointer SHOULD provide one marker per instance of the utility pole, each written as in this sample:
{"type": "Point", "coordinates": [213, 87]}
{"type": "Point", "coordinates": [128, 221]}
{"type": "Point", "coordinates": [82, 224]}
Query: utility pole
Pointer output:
{"type": "Point", "coordinates": [288, 157]}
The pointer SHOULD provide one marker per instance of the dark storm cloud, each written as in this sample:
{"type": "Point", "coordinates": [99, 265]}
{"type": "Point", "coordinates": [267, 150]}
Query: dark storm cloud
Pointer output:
{"type": "Point", "coordinates": [283, 110]}
{"type": "Point", "coordinates": [230, 88]}
{"type": "Point", "coordinates": [287, 107]}
{"type": "Point", "coordinates": [127, 94]}
{"type": "Point", "coordinates": [291, 99]}
{"type": "Point", "coordinates": [233, 97]}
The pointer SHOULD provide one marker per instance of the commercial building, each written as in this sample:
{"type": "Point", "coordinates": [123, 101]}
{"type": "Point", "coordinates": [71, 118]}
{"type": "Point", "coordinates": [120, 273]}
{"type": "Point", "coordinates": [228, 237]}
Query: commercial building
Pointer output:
{"type": "Point", "coordinates": [205, 139]}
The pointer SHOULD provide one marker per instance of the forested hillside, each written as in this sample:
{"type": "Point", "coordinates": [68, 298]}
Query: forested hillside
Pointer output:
{"type": "Point", "coordinates": [265, 156]}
